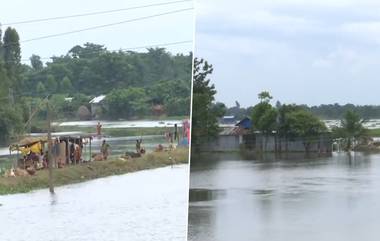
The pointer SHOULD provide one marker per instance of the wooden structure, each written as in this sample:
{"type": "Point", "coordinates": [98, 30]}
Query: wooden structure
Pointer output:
{"type": "Point", "coordinates": [62, 151]}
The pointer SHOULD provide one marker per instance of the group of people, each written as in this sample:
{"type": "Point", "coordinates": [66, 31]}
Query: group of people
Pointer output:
{"type": "Point", "coordinates": [105, 148]}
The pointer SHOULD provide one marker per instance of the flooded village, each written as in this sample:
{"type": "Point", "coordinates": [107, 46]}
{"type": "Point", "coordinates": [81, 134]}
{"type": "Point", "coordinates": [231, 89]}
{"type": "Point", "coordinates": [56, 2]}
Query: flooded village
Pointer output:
{"type": "Point", "coordinates": [280, 171]}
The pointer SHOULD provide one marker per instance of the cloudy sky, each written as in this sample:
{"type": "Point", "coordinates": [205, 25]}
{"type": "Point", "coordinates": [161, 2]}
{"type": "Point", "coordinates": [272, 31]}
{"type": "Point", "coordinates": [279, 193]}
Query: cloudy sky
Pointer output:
{"type": "Point", "coordinates": [302, 51]}
{"type": "Point", "coordinates": [171, 28]}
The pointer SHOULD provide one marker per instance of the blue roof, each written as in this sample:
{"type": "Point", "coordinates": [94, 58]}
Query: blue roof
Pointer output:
{"type": "Point", "coordinates": [245, 123]}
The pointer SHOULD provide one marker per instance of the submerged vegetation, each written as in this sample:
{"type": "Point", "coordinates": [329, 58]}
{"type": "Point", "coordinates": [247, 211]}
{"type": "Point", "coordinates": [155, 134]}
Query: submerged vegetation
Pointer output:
{"type": "Point", "coordinates": [91, 170]}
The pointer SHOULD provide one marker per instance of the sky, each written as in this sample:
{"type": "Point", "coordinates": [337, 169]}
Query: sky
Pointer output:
{"type": "Point", "coordinates": [301, 51]}
{"type": "Point", "coordinates": [170, 28]}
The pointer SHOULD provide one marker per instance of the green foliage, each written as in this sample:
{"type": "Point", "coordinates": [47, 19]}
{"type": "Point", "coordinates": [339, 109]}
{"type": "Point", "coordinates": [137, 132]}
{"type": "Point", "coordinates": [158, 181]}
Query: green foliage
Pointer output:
{"type": "Point", "coordinates": [127, 103]}
{"type": "Point", "coordinates": [264, 96]}
{"type": "Point", "coordinates": [36, 62]}
{"type": "Point", "coordinates": [93, 70]}
{"type": "Point", "coordinates": [304, 124]}
{"type": "Point", "coordinates": [11, 53]}
{"type": "Point", "coordinates": [66, 86]}
{"type": "Point", "coordinates": [205, 113]}
{"type": "Point", "coordinates": [138, 79]}
{"type": "Point", "coordinates": [51, 84]}
{"type": "Point", "coordinates": [351, 129]}
{"type": "Point", "coordinates": [10, 122]}
{"type": "Point", "coordinates": [264, 117]}
{"type": "Point", "coordinates": [41, 89]}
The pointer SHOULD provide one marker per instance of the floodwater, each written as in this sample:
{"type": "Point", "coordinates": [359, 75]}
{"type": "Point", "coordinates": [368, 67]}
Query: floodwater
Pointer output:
{"type": "Point", "coordinates": [121, 124]}
{"type": "Point", "coordinates": [292, 198]}
{"type": "Point", "coordinates": [142, 206]}
{"type": "Point", "coordinates": [119, 145]}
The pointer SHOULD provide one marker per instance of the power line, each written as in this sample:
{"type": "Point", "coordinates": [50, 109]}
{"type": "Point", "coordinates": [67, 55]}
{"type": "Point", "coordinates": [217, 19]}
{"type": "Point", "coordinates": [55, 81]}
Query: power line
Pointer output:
{"type": "Point", "coordinates": [92, 13]}
{"type": "Point", "coordinates": [106, 25]}
{"type": "Point", "coordinates": [99, 26]}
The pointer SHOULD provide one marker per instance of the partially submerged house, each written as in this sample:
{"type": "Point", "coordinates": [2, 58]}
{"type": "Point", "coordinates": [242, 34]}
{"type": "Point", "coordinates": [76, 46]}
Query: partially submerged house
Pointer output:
{"type": "Point", "coordinates": [242, 136]}
{"type": "Point", "coordinates": [231, 138]}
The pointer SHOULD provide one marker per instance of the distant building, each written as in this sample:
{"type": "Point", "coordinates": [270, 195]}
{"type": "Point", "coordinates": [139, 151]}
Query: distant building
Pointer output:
{"type": "Point", "coordinates": [228, 120]}
{"type": "Point", "coordinates": [245, 123]}
{"type": "Point", "coordinates": [96, 105]}
{"type": "Point", "coordinates": [69, 99]}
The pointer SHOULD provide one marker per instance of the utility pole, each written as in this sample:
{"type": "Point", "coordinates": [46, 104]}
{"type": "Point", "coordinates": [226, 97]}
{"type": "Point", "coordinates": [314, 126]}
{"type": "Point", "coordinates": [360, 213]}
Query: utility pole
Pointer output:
{"type": "Point", "coordinates": [11, 97]}
{"type": "Point", "coordinates": [30, 118]}
{"type": "Point", "coordinates": [51, 187]}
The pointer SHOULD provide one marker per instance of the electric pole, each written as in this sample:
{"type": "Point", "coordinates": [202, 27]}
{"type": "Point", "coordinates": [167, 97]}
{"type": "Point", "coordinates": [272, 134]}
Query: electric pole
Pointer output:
{"type": "Point", "coordinates": [51, 186]}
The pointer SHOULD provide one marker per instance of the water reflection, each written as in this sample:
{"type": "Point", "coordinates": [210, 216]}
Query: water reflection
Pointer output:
{"type": "Point", "coordinates": [288, 197]}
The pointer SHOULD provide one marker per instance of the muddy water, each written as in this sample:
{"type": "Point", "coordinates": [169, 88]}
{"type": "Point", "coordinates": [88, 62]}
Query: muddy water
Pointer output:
{"type": "Point", "coordinates": [147, 205]}
{"type": "Point", "coordinates": [295, 198]}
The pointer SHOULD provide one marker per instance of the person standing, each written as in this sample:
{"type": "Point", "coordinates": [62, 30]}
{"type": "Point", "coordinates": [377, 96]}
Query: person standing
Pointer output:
{"type": "Point", "coordinates": [176, 133]}
{"type": "Point", "coordinates": [98, 129]}
{"type": "Point", "coordinates": [105, 149]}
{"type": "Point", "coordinates": [138, 145]}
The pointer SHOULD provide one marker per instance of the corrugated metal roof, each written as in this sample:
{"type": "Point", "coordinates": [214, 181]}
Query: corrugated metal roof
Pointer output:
{"type": "Point", "coordinates": [233, 131]}
{"type": "Point", "coordinates": [97, 99]}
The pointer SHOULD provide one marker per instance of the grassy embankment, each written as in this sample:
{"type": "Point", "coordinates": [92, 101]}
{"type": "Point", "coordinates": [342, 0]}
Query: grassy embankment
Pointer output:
{"type": "Point", "coordinates": [92, 170]}
{"type": "Point", "coordinates": [374, 132]}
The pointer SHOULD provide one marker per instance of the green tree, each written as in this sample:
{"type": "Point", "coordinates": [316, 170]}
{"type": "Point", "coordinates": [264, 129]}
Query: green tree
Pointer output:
{"type": "Point", "coordinates": [36, 62]}
{"type": "Point", "coordinates": [264, 117]}
{"type": "Point", "coordinates": [264, 96]}
{"type": "Point", "coordinates": [351, 129]}
{"type": "Point", "coordinates": [66, 85]}
{"type": "Point", "coordinates": [10, 122]}
{"type": "Point", "coordinates": [127, 103]}
{"type": "Point", "coordinates": [11, 52]}
{"type": "Point", "coordinates": [205, 115]}
{"type": "Point", "coordinates": [51, 84]}
{"type": "Point", "coordinates": [305, 125]}
{"type": "Point", "coordinates": [41, 90]}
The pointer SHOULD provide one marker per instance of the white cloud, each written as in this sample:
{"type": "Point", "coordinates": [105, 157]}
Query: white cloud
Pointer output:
{"type": "Point", "coordinates": [367, 31]}
{"type": "Point", "coordinates": [292, 48]}
{"type": "Point", "coordinates": [337, 58]}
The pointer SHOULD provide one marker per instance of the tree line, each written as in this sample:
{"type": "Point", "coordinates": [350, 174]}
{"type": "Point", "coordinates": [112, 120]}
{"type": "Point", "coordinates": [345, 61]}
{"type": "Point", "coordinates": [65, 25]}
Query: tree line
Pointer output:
{"type": "Point", "coordinates": [324, 111]}
{"type": "Point", "coordinates": [133, 82]}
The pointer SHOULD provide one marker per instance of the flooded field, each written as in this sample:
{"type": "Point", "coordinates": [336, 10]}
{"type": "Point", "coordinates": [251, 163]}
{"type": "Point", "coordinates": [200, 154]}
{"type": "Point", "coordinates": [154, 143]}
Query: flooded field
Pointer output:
{"type": "Point", "coordinates": [370, 124]}
{"type": "Point", "coordinates": [142, 206]}
{"type": "Point", "coordinates": [121, 124]}
{"type": "Point", "coordinates": [297, 198]}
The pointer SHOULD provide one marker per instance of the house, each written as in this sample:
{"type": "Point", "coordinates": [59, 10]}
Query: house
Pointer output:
{"type": "Point", "coordinates": [96, 105]}
{"type": "Point", "coordinates": [228, 120]}
{"type": "Point", "coordinates": [241, 136]}
{"type": "Point", "coordinates": [245, 123]}
{"type": "Point", "coordinates": [231, 138]}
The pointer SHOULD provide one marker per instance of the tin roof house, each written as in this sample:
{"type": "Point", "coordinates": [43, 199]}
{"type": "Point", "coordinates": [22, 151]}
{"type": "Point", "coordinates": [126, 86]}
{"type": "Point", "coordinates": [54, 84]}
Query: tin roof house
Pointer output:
{"type": "Point", "coordinates": [96, 105]}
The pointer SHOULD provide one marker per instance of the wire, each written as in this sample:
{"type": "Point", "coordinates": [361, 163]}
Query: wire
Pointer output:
{"type": "Point", "coordinates": [92, 13]}
{"type": "Point", "coordinates": [99, 26]}
{"type": "Point", "coordinates": [105, 25]}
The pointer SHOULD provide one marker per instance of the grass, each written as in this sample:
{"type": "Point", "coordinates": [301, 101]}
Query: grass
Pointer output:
{"type": "Point", "coordinates": [374, 132]}
{"type": "Point", "coordinates": [89, 171]}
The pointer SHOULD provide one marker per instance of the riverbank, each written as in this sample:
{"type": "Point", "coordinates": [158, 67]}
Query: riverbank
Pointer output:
{"type": "Point", "coordinates": [92, 170]}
